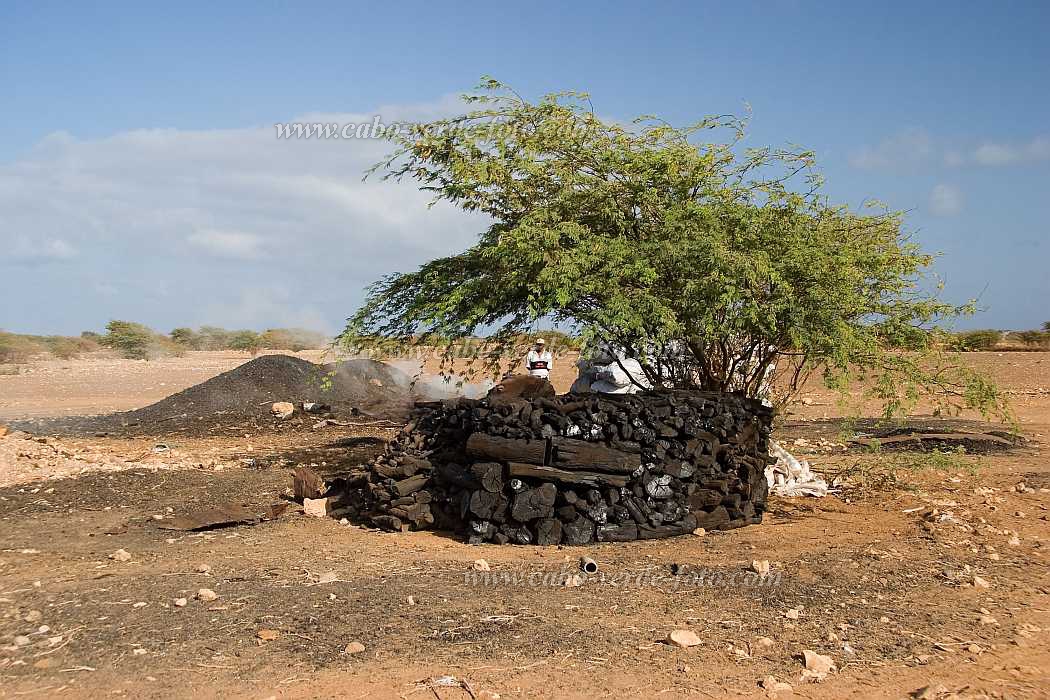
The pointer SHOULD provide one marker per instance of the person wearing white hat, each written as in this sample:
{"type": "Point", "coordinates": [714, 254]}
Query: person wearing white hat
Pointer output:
{"type": "Point", "coordinates": [539, 361]}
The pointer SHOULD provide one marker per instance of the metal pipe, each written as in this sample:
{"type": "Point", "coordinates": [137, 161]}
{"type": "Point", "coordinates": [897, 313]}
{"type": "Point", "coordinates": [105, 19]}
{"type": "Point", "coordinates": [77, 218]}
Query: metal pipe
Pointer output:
{"type": "Point", "coordinates": [588, 565]}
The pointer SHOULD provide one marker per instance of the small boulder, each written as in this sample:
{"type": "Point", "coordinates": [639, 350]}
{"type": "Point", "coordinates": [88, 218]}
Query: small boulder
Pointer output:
{"type": "Point", "coordinates": [316, 507]}
{"type": "Point", "coordinates": [683, 639]}
{"type": "Point", "coordinates": [207, 595]}
{"type": "Point", "coordinates": [282, 410]}
{"type": "Point", "coordinates": [772, 686]}
{"type": "Point", "coordinates": [354, 648]}
{"type": "Point", "coordinates": [818, 666]}
{"type": "Point", "coordinates": [120, 555]}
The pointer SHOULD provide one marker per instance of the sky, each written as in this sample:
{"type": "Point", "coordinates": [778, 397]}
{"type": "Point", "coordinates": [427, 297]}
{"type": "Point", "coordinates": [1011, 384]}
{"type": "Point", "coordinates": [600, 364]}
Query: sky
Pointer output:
{"type": "Point", "coordinates": [141, 177]}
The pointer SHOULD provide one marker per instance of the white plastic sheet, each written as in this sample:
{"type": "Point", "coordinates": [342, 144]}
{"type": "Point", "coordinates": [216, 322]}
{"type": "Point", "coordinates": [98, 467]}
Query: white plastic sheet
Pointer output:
{"type": "Point", "coordinates": [792, 477]}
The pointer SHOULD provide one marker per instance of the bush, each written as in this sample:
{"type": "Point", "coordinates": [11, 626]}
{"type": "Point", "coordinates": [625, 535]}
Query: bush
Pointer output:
{"type": "Point", "coordinates": [1034, 338]}
{"type": "Point", "coordinates": [65, 348]}
{"type": "Point", "coordinates": [16, 349]}
{"type": "Point", "coordinates": [975, 341]}
{"type": "Point", "coordinates": [132, 340]}
{"type": "Point", "coordinates": [292, 339]}
{"type": "Point", "coordinates": [186, 337]}
{"type": "Point", "coordinates": [214, 338]}
{"type": "Point", "coordinates": [248, 341]}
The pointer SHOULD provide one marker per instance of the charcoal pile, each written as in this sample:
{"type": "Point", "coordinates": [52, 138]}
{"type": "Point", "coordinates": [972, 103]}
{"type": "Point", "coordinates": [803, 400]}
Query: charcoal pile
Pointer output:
{"type": "Point", "coordinates": [243, 396]}
{"type": "Point", "coordinates": [569, 469]}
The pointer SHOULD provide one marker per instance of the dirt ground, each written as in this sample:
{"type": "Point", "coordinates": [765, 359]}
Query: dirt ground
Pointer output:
{"type": "Point", "coordinates": [921, 572]}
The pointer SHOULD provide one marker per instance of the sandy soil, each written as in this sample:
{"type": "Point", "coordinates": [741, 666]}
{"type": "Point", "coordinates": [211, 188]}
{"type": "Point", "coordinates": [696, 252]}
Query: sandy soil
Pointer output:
{"type": "Point", "coordinates": [886, 577]}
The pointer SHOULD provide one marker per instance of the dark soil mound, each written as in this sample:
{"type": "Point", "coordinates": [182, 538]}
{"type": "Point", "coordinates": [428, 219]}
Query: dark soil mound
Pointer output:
{"type": "Point", "coordinates": [245, 394]}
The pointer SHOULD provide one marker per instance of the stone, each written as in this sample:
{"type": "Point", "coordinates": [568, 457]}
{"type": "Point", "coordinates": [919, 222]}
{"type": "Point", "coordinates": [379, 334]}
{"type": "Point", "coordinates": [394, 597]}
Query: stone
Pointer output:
{"type": "Point", "coordinates": [22, 641]}
{"type": "Point", "coordinates": [282, 410]}
{"type": "Point", "coordinates": [354, 648]}
{"type": "Point", "coordinates": [818, 666]}
{"type": "Point", "coordinates": [760, 567]}
{"type": "Point", "coordinates": [267, 635]}
{"type": "Point", "coordinates": [481, 565]}
{"type": "Point", "coordinates": [34, 616]}
{"type": "Point", "coordinates": [120, 555]}
{"type": "Point", "coordinates": [793, 614]}
{"type": "Point", "coordinates": [203, 569]}
{"type": "Point", "coordinates": [979, 582]}
{"type": "Point", "coordinates": [764, 643]}
{"type": "Point", "coordinates": [931, 692]}
{"type": "Point", "coordinates": [179, 602]}
{"type": "Point", "coordinates": [772, 685]}
{"type": "Point", "coordinates": [207, 595]}
{"type": "Point", "coordinates": [316, 507]}
{"type": "Point", "coordinates": [683, 639]}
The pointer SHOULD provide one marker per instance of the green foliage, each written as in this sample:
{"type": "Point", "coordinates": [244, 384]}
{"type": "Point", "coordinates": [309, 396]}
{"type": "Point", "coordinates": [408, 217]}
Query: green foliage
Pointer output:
{"type": "Point", "coordinates": [16, 348]}
{"type": "Point", "coordinates": [132, 340]}
{"type": "Point", "coordinates": [248, 341]}
{"type": "Point", "coordinates": [67, 348]}
{"type": "Point", "coordinates": [974, 341]}
{"type": "Point", "coordinates": [293, 339]}
{"type": "Point", "coordinates": [185, 337]}
{"type": "Point", "coordinates": [1034, 338]}
{"type": "Point", "coordinates": [709, 262]}
{"type": "Point", "coordinates": [1046, 326]}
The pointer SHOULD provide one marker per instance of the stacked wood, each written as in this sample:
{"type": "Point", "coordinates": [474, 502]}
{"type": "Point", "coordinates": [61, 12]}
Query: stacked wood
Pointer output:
{"type": "Point", "coordinates": [571, 469]}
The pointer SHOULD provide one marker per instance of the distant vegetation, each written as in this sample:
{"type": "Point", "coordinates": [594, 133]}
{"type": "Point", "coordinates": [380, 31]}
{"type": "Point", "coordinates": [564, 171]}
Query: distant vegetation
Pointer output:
{"type": "Point", "coordinates": [17, 348]}
{"type": "Point", "coordinates": [138, 341]}
{"type": "Point", "coordinates": [970, 341]}
{"type": "Point", "coordinates": [988, 339]}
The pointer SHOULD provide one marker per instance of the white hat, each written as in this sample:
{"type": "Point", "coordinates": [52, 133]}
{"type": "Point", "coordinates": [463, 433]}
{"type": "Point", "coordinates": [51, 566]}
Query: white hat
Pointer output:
{"type": "Point", "coordinates": [540, 341]}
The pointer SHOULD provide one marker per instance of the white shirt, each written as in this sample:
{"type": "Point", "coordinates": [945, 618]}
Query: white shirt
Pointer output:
{"type": "Point", "coordinates": [539, 363]}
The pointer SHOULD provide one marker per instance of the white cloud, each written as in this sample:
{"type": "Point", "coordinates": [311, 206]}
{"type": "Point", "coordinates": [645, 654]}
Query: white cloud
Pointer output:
{"type": "Point", "coordinates": [903, 150]}
{"type": "Point", "coordinates": [273, 306]}
{"type": "Point", "coordinates": [1000, 154]}
{"type": "Point", "coordinates": [914, 147]}
{"type": "Point", "coordinates": [945, 200]}
{"type": "Point", "coordinates": [25, 250]}
{"type": "Point", "coordinates": [235, 245]}
{"type": "Point", "coordinates": [170, 216]}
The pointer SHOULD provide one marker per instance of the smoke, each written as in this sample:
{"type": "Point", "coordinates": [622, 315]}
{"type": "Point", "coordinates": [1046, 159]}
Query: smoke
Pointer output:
{"type": "Point", "coordinates": [434, 386]}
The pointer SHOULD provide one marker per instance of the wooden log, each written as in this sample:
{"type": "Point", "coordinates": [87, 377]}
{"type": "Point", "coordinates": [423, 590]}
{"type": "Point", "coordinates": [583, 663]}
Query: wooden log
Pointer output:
{"type": "Point", "coordinates": [407, 487]}
{"type": "Point", "coordinates": [577, 454]}
{"type": "Point", "coordinates": [617, 533]}
{"type": "Point", "coordinates": [936, 437]}
{"type": "Point", "coordinates": [503, 450]}
{"type": "Point", "coordinates": [548, 532]}
{"type": "Point", "coordinates": [412, 465]}
{"type": "Point", "coordinates": [566, 477]}
{"type": "Point", "coordinates": [306, 483]}
{"type": "Point", "coordinates": [489, 475]}
{"type": "Point", "coordinates": [712, 520]}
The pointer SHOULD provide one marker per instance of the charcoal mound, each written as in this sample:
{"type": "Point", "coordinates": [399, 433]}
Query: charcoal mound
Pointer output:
{"type": "Point", "coordinates": [245, 394]}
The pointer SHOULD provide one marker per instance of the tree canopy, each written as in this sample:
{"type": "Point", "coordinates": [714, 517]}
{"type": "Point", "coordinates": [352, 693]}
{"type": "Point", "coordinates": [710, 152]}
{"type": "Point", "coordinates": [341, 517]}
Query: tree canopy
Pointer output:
{"type": "Point", "coordinates": [708, 261]}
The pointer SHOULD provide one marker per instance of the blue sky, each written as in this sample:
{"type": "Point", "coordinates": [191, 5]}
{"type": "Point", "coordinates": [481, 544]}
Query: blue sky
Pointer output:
{"type": "Point", "coordinates": [140, 176]}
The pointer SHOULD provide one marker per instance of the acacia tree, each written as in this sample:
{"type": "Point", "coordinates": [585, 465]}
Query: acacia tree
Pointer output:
{"type": "Point", "coordinates": [708, 262]}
